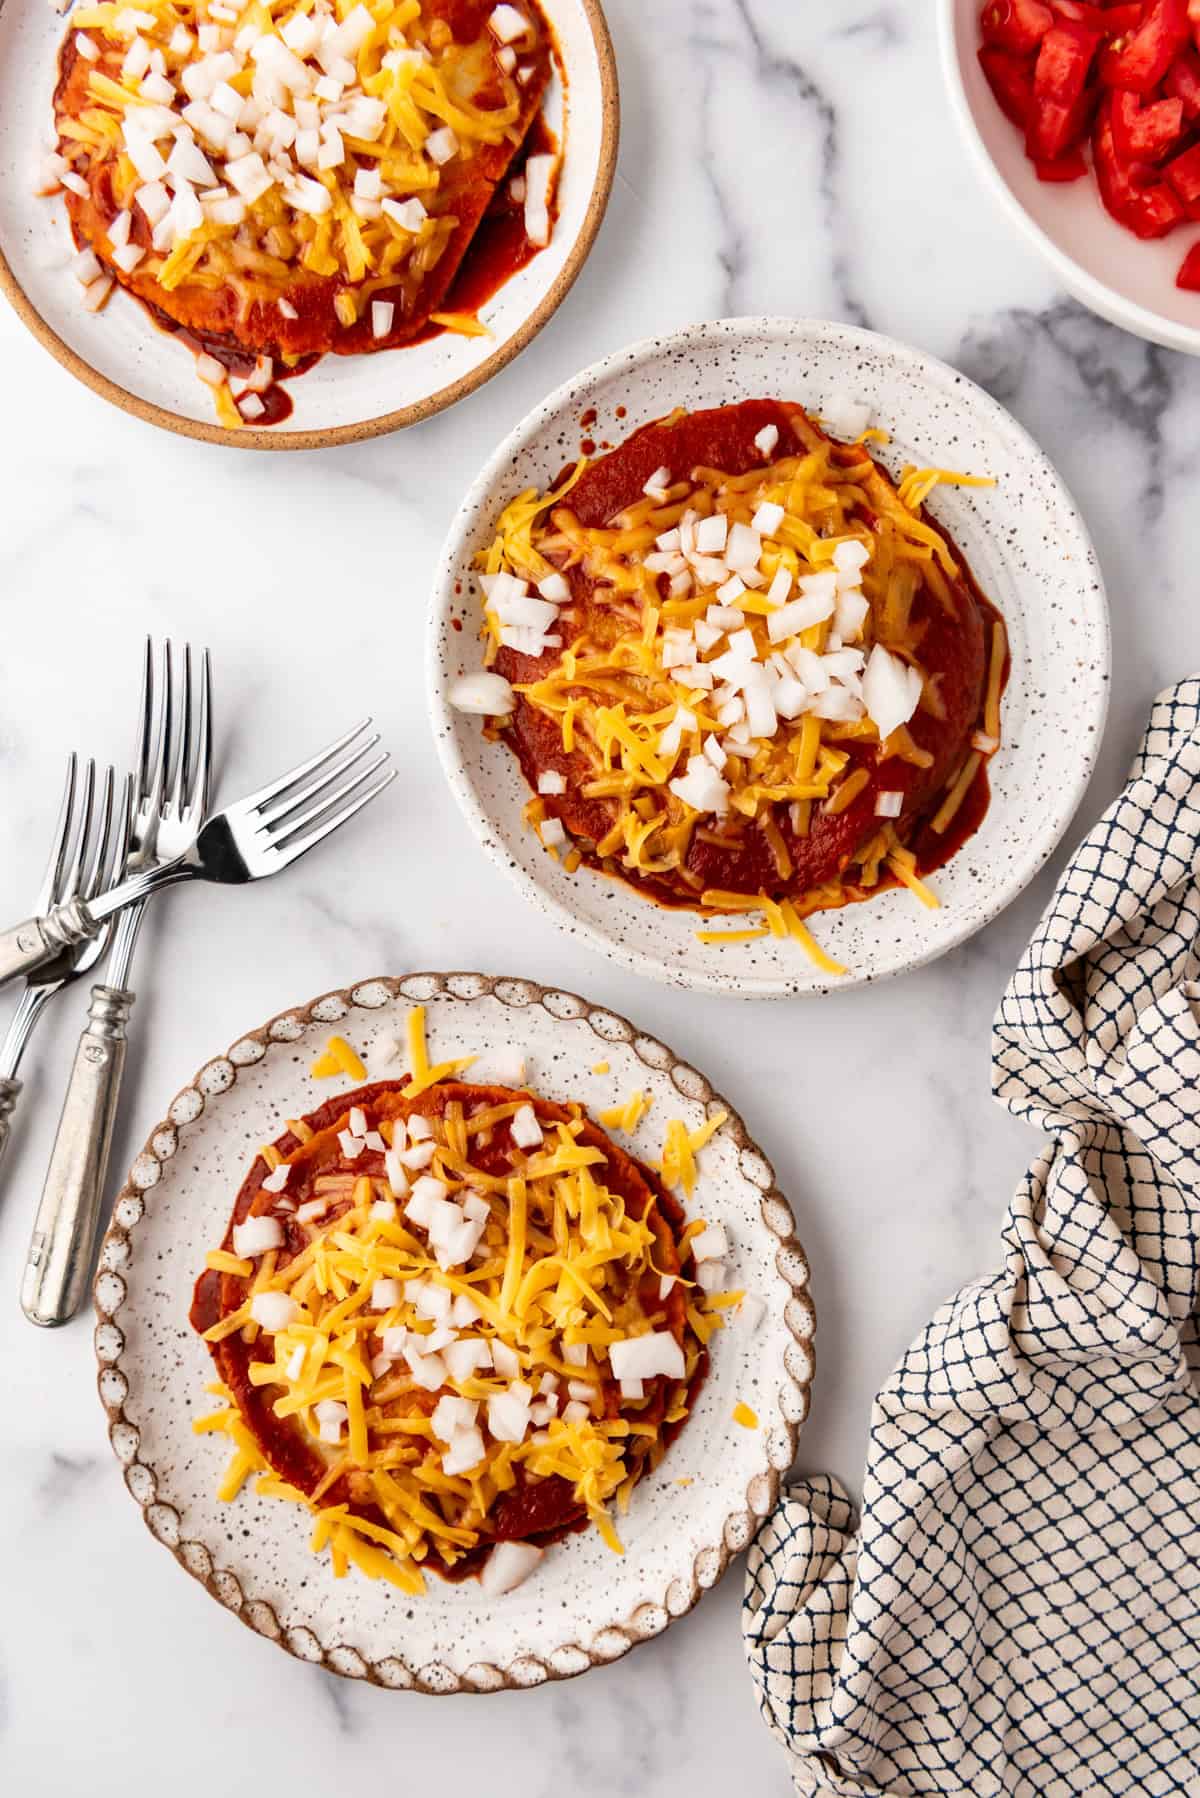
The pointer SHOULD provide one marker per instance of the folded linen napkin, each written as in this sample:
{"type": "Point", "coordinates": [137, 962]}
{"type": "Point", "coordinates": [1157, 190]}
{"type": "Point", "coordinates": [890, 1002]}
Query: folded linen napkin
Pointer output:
{"type": "Point", "coordinates": [1018, 1609]}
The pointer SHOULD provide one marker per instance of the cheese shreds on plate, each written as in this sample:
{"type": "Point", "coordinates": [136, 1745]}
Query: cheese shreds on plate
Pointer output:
{"type": "Point", "coordinates": [743, 670]}
{"type": "Point", "coordinates": [450, 1315]}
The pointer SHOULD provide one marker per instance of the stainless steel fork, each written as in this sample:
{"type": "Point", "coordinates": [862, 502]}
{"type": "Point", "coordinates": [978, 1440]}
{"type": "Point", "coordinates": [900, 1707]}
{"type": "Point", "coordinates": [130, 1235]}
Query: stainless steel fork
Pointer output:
{"type": "Point", "coordinates": [172, 770]}
{"type": "Point", "coordinates": [260, 835]}
{"type": "Point", "coordinates": [89, 849]}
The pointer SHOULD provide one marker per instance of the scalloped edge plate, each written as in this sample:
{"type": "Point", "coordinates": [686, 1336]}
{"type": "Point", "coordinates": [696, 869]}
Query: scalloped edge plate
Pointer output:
{"type": "Point", "coordinates": [583, 1606]}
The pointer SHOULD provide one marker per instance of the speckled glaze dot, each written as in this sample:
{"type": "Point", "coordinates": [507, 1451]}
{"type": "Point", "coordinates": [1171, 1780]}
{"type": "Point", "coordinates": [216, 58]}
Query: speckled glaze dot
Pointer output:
{"type": "Point", "coordinates": [582, 1606]}
{"type": "Point", "coordinates": [1026, 545]}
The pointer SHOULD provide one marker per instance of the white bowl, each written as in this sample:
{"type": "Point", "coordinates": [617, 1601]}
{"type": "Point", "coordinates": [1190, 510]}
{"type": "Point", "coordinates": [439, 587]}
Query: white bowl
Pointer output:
{"type": "Point", "coordinates": [1132, 284]}
{"type": "Point", "coordinates": [1023, 538]}
{"type": "Point", "coordinates": [121, 355]}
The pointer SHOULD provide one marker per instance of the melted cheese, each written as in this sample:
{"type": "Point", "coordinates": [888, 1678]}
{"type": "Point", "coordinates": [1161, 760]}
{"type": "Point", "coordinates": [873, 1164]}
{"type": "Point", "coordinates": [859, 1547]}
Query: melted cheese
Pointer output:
{"type": "Point", "coordinates": [616, 685]}
{"type": "Point", "coordinates": [556, 1280]}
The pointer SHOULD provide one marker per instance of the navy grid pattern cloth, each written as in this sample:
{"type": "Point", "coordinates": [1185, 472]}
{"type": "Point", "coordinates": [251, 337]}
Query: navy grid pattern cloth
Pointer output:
{"type": "Point", "coordinates": [1018, 1610]}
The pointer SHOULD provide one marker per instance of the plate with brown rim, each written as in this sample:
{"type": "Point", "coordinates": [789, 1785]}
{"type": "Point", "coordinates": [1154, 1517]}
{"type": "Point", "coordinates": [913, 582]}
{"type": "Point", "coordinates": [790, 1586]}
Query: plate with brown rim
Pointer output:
{"type": "Point", "coordinates": [1021, 535]}
{"type": "Point", "coordinates": [121, 354]}
{"type": "Point", "coordinates": [583, 1605]}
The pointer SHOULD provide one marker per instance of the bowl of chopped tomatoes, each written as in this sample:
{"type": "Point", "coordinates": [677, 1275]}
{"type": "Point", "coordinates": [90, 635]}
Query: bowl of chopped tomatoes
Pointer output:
{"type": "Point", "coordinates": [1084, 117]}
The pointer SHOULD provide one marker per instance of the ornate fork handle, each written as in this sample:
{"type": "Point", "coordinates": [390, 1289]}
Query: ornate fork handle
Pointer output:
{"type": "Point", "coordinates": [39, 940]}
{"type": "Point", "coordinates": [26, 946]}
{"type": "Point", "coordinates": [10, 1091]}
{"type": "Point", "coordinates": [64, 1233]}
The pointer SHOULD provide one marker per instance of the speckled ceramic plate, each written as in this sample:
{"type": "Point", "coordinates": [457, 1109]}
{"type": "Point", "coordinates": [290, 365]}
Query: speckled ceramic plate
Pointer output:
{"type": "Point", "coordinates": [583, 1605]}
{"type": "Point", "coordinates": [1028, 548]}
{"type": "Point", "coordinates": [120, 354]}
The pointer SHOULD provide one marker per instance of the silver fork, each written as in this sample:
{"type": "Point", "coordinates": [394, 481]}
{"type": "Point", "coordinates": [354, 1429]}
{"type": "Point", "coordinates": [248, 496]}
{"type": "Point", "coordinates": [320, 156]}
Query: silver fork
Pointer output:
{"type": "Point", "coordinates": [260, 835]}
{"type": "Point", "coordinates": [172, 770]}
{"type": "Point", "coordinates": [89, 847]}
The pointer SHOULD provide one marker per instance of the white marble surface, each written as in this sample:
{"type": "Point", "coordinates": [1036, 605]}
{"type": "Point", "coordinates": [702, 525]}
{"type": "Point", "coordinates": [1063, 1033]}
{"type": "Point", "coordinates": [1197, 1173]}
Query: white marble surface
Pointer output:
{"type": "Point", "coordinates": [777, 158]}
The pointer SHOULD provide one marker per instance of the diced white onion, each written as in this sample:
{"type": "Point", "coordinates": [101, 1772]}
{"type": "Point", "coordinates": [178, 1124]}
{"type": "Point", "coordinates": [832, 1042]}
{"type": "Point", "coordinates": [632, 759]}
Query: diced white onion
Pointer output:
{"type": "Point", "coordinates": [507, 1566]}
{"type": "Point", "coordinates": [483, 692]}
{"type": "Point", "coordinates": [465, 1452]}
{"type": "Point", "coordinates": [256, 1235]}
{"type": "Point", "coordinates": [551, 781]}
{"type": "Point", "coordinates": [274, 1310]}
{"type": "Point", "coordinates": [647, 1357]}
{"type": "Point", "coordinates": [524, 1128]}
{"type": "Point", "coordinates": [539, 178]}
{"type": "Point", "coordinates": [711, 1244]}
{"type": "Point", "coordinates": [331, 1415]}
{"type": "Point", "coordinates": [278, 1177]}
{"type": "Point", "coordinates": [766, 439]}
{"type": "Point", "coordinates": [889, 805]}
{"type": "Point", "coordinates": [846, 416]}
{"type": "Point", "coordinates": [383, 313]}
{"type": "Point", "coordinates": [507, 24]}
{"type": "Point", "coordinates": [891, 690]}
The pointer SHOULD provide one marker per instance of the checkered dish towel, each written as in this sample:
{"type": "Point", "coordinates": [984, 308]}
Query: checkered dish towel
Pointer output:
{"type": "Point", "coordinates": [1019, 1609]}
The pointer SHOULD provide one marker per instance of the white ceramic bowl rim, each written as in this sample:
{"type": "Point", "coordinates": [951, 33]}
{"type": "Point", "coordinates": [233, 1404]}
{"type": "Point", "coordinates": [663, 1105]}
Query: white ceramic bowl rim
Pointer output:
{"type": "Point", "coordinates": [504, 464]}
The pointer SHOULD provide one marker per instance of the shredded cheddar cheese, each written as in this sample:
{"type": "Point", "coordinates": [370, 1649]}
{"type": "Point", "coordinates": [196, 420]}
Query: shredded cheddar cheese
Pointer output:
{"type": "Point", "coordinates": [339, 1058]}
{"type": "Point", "coordinates": [362, 1323]}
{"type": "Point", "coordinates": [756, 665]}
{"type": "Point", "coordinates": [745, 1416]}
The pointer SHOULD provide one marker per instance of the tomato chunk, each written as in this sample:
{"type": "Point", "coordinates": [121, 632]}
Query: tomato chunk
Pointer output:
{"type": "Point", "coordinates": [1189, 270]}
{"type": "Point", "coordinates": [1144, 133]}
{"type": "Point", "coordinates": [1061, 103]}
{"type": "Point", "coordinates": [1016, 25]}
{"type": "Point", "coordinates": [1011, 80]}
{"type": "Point", "coordinates": [1105, 21]}
{"type": "Point", "coordinates": [1182, 80]}
{"type": "Point", "coordinates": [1067, 168]}
{"type": "Point", "coordinates": [1132, 192]}
{"type": "Point", "coordinates": [1143, 58]}
{"type": "Point", "coordinates": [1183, 172]}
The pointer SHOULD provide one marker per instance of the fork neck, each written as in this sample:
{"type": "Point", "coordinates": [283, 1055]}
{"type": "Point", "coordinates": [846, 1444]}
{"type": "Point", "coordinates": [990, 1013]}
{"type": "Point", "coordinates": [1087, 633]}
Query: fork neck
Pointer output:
{"type": "Point", "coordinates": [135, 887]}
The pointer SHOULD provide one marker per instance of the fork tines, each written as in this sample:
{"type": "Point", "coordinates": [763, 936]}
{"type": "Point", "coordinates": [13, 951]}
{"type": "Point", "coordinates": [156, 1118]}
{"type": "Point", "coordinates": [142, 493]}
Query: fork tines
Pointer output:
{"type": "Point", "coordinates": [308, 803]}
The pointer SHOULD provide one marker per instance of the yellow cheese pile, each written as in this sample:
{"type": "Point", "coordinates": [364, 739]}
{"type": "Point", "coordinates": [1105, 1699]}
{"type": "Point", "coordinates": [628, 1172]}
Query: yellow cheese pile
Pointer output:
{"type": "Point", "coordinates": [757, 630]}
{"type": "Point", "coordinates": [286, 137]}
{"type": "Point", "coordinates": [373, 1327]}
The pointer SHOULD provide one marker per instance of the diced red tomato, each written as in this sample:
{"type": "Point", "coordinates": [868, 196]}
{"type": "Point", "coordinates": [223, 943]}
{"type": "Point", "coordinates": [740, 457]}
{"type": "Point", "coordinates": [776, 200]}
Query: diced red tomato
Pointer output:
{"type": "Point", "coordinates": [1145, 133]}
{"type": "Point", "coordinates": [1061, 103]}
{"type": "Point", "coordinates": [1140, 61]}
{"type": "Point", "coordinates": [1183, 80]}
{"type": "Point", "coordinates": [1132, 193]}
{"type": "Point", "coordinates": [1011, 80]}
{"type": "Point", "coordinates": [1068, 168]}
{"type": "Point", "coordinates": [1016, 25]}
{"type": "Point", "coordinates": [1125, 72]}
{"type": "Point", "coordinates": [1105, 21]}
{"type": "Point", "coordinates": [1183, 172]}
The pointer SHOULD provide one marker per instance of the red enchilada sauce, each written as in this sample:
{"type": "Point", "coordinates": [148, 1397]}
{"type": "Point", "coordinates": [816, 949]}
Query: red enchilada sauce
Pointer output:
{"type": "Point", "coordinates": [534, 1510]}
{"type": "Point", "coordinates": [737, 858]}
{"type": "Point", "coordinates": [496, 248]}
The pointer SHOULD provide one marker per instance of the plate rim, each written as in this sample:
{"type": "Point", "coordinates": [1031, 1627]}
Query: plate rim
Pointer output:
{"type": "Point", "coordinates": [791, 1398]}
{"type": "Point", "coordinates": [666, 347]}
{"type": "Point", "coordinates": [331, 436]}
